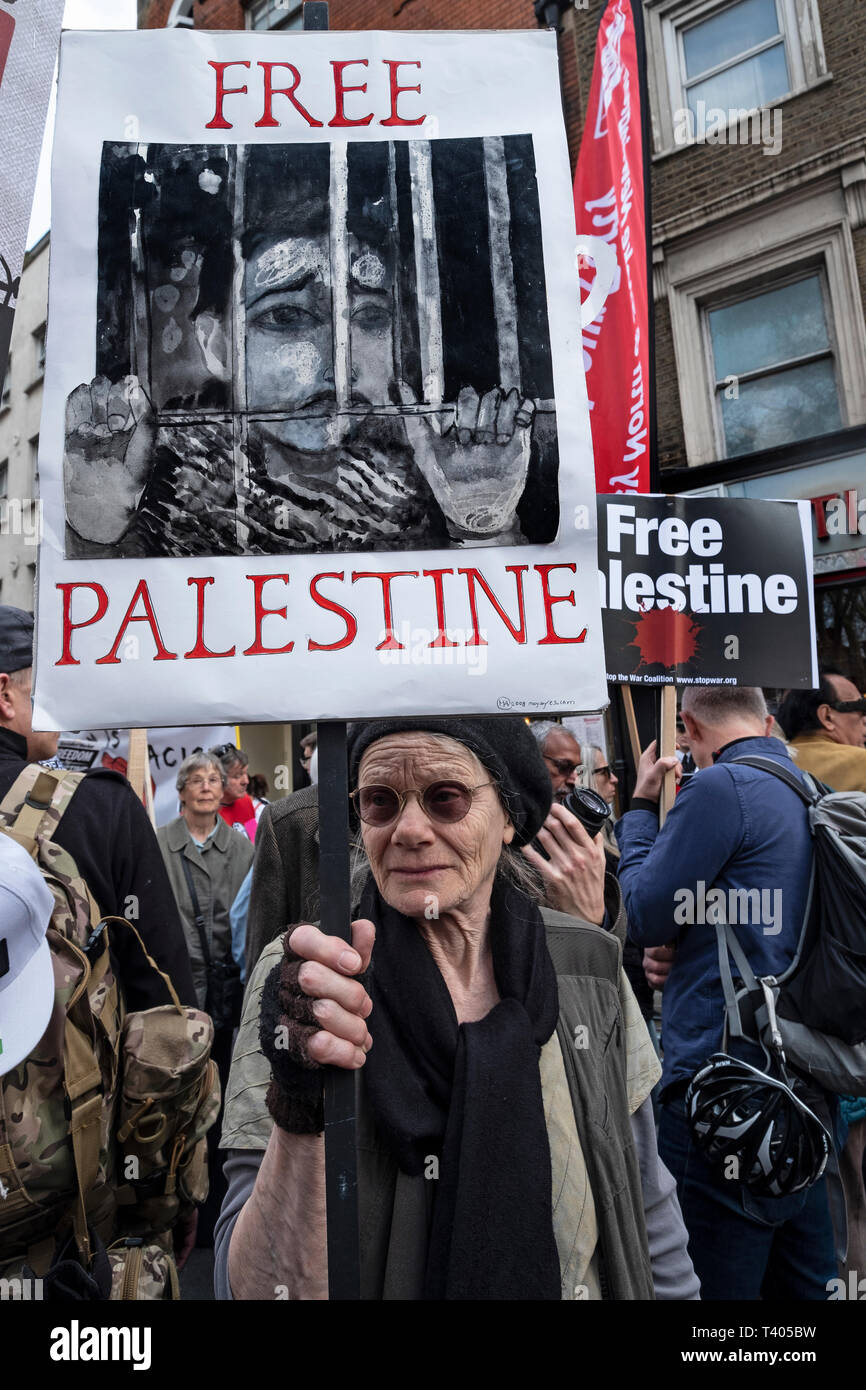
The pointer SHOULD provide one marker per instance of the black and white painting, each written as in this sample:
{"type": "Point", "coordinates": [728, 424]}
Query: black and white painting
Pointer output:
{"type": "Point", "coordinates": [315, 348]}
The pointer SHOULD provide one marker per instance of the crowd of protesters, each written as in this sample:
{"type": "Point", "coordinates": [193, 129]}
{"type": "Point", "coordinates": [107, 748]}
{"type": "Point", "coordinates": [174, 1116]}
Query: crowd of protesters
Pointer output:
{"type": "Point", "coordinates": [528, 1010]}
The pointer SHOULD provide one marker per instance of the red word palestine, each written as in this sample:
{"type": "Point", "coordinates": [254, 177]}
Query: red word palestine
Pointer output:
{"type": "Point", "coordinates": [140, 609]}
{"type": "Point", "coordinates": [283, 80]}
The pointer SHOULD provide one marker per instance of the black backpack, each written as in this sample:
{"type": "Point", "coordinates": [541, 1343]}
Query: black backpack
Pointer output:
{"type": "Point", "coordinates": [820, 1000]}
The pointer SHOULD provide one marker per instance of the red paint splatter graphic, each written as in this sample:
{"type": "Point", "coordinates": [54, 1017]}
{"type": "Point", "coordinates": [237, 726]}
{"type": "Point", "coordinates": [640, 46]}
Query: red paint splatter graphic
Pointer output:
{"type": "Point", "coordinates": [665, 637]}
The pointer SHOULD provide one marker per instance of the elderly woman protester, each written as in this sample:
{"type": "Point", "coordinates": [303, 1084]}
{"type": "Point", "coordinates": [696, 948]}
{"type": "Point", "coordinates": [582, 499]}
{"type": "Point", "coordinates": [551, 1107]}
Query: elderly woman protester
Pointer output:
{"type": "Point", "coordinates": [506, 1148]}
{"type": "Point", "coordinates": [207, 863]}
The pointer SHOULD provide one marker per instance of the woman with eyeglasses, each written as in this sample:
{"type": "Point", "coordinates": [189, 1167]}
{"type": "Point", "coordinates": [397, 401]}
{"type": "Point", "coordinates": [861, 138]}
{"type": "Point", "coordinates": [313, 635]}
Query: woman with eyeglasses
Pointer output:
{"type": "Point", "coordinates": [506, 1148]}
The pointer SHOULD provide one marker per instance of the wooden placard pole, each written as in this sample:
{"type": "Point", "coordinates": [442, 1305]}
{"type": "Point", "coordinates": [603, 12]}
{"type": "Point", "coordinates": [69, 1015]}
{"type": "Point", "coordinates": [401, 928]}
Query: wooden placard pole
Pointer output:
{"type": "Point", "coordinates": [631, 725]}
{"type": "Point", "coordinates": [138, 770]}
{"type": "Point", "coordinates": [668, 746]}
{"type": "Point", "coordinates": [341, 1161]}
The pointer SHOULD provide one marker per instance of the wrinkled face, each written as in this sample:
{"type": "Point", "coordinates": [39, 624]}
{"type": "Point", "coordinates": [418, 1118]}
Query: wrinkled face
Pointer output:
{"type": "Point", "coordinates": [841, 727]}
{"type": "Point", "coordinates": [605, 782]}
{"type": "Point", "coordinates": [203, 792]}
{"type": "Point", "coordinates": [237, 781]}
{"type": "Point", "coordinates": [289, 349]}
{"type": "Point", "coordinates": [562, 760]}
{"type": "Point", "coordinates": [422, 867]}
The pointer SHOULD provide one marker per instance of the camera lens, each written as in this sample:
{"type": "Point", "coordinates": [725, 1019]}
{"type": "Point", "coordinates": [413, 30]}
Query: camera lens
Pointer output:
{"type": "Point", "coordinates": [591, 809]}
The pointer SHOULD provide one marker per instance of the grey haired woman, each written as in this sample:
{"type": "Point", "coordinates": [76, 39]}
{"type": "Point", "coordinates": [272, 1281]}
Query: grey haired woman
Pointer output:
{"type": "Point", "coordinates": [505, 1139]}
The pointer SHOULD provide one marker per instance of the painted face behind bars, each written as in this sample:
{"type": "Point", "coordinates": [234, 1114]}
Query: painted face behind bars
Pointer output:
{"type": "Point", "coordinates": [289, 342]}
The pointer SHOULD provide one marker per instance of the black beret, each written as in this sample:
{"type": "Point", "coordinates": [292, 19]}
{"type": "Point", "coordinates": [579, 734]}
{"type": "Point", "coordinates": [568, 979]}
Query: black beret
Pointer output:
{"type": "Point", "coordinates": [502, 743]}
{"type": "Point", "coordinates": [16, 639]}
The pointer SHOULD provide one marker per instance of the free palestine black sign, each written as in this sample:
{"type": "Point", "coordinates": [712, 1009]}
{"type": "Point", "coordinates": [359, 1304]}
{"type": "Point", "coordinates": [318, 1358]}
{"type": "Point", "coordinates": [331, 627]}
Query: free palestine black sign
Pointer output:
{"type": "Point", "coordinates": [706, 590]}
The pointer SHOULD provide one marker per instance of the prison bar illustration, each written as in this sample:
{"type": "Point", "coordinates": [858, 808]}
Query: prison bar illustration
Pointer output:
{"type": "Point", "coordinates": [427, 297]}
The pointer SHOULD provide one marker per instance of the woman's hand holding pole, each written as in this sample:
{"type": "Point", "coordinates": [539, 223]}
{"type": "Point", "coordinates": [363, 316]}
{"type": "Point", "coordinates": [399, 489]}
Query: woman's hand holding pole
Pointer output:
{"type": "Point", "coordinates": [318, 1018]}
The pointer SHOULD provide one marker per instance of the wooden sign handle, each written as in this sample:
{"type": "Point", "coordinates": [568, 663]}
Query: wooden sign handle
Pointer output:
{"type": "Point", "coordinates": [631, 725]}
{"type": "Point", "coordinates": [668, 747]}
{"type": "Point", "coordinates": [138, 770]}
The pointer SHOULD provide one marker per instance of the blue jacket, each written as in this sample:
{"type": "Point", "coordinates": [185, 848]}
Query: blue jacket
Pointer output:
{"type": "Point", "coordinates": [238, 918]}
{"type": "Point", "coordinates": [731, 828]}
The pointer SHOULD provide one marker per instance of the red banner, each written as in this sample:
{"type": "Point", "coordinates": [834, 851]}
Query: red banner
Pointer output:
{"type": "Point", "coordinates": [609, 203]}
{"type": "Point", "coordinates": [7, 29]}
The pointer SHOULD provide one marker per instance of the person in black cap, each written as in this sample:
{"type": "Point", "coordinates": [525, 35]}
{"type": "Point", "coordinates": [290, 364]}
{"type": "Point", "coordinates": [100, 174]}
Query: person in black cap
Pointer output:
{"type": "Point", "coordinates": [105, 829]}
{"type": "Point", "coordinates": [490, 1036]}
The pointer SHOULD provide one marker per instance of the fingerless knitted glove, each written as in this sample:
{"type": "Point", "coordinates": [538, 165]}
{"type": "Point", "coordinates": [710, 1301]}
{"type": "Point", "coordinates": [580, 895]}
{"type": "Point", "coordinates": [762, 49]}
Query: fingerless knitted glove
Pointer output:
{"type": "Point", "coordinates": [287, 1023]}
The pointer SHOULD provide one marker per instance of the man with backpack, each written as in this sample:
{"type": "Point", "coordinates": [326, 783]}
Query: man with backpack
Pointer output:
{"type": "Point", "coordinates": [736, 843]}
{"type": "Point", "coordinates": [96, 1038]}
{"type": "Point", "coordinates": [105, 829]}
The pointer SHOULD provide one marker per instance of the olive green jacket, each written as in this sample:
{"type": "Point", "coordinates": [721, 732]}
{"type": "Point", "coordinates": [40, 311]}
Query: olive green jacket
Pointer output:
{"type": "Point", "coordinates": [596, 1070]}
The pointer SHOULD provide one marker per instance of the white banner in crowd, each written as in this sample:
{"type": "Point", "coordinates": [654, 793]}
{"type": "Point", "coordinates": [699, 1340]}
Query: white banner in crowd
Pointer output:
{"type": "Point", "coordinates": [316, 431]}
{"type": "Point", "coordinates": [84, 749]}
{"type": "Point", "coordinates": [590, 732]}
{"type": "Point", "coordinates": [29, 32]}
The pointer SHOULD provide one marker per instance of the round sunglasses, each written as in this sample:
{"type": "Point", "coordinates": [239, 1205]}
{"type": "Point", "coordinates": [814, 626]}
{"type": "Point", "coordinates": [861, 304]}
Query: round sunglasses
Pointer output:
{"type": "Point", "coordinates": [448, 802]}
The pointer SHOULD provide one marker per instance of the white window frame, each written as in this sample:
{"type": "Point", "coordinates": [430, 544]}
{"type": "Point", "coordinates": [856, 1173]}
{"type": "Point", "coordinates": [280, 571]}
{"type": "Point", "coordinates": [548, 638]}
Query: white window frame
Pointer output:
{"type": "Point", "coordinates": [737, 295]}
{"type": "Point", "coordinates": [806, 229]}
{"type": "Point", "coordinates": [800, 26]}
{"type": "Point", "coordinates": [180, 15]}
{"type": "Point", "coordinates": [291, 8]}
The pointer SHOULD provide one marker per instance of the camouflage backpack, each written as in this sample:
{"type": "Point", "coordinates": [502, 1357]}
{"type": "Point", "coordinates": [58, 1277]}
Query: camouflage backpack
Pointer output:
{"type": "Point", "coordinates": [102, 1127]}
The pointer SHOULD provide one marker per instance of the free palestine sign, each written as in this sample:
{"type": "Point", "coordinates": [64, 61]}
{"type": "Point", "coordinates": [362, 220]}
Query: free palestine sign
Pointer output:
{"type": "Point", "coordinates": [316, 431]}
{"type": "Point", "coordinates": [707, 590]}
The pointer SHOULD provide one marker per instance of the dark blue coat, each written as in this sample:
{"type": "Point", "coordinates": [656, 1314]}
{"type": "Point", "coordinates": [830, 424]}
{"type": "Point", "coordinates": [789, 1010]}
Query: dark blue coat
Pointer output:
{"type": "Point", "coordinates": [731, 827]}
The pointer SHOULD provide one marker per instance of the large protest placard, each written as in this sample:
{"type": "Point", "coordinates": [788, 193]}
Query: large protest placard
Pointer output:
{"type": "Point", "coordinates": [707, 590]}
{"type": "Point", "coordinates": [29, 31]}
{"type": "Point", "coordinates": [316, 428]}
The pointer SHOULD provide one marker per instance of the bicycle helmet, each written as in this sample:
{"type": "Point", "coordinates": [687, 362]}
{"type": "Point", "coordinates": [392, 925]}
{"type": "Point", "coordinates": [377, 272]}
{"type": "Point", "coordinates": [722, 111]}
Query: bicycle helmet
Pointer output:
{"type": "Point", "coordinates": [736, 1111]}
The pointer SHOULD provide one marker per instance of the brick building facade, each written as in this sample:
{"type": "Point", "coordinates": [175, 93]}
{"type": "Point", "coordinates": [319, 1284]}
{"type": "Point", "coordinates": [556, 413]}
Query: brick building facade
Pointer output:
{"type": "Point", "coordinates": [759, 237]}
{"type": "Point", "coordinates": [381, 14]}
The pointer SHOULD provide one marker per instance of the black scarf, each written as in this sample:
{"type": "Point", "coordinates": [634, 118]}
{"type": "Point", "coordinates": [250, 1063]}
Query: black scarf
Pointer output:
{"type": "Point", "coordinates": [470, 1096]}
